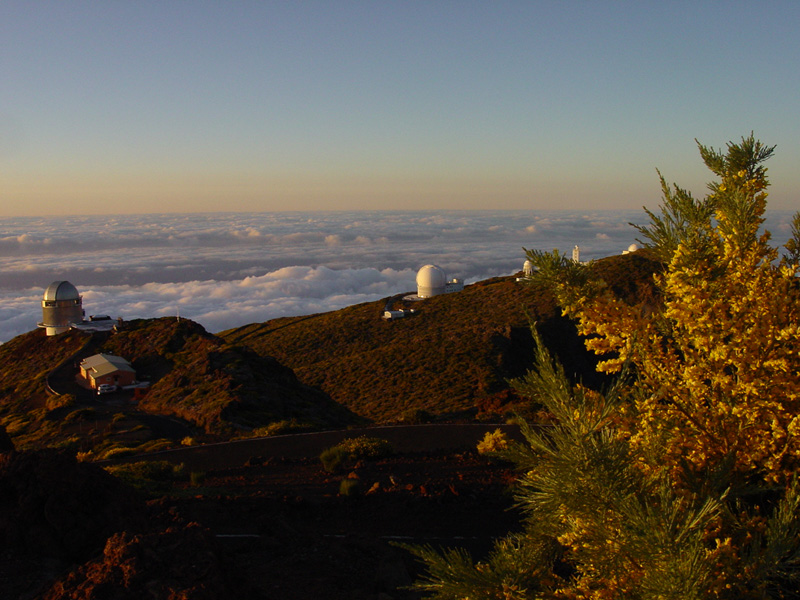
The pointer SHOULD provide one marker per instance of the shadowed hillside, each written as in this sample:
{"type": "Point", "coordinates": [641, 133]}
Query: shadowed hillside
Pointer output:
{"type": "Point", "coordinates": [201, 387]}
{"type": "Point", "coordinates": [451, 358]}
{"type": "Point", "coordinates": [214, 386]}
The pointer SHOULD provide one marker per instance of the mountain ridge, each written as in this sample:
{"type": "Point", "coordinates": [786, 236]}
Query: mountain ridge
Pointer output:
{"type": "Point", "coordinates": [451, 360]}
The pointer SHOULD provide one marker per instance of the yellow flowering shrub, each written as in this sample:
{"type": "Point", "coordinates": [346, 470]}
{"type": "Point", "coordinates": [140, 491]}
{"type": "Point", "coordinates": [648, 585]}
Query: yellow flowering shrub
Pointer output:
{"type": "Point", "coordinates": [493, 442]}
{"type": "Point", "coordinates": [718, 364]}
{"type": "Point", "coordinates": [679, 480]}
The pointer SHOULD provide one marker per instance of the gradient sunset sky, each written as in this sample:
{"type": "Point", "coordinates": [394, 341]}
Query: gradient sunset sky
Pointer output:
{"type": "Point", "coordinates": [182, 106]}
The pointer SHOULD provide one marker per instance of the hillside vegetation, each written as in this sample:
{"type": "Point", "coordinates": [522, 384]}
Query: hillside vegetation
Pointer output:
{"type": "Point", "coordinates": [27, 360]}
{"type": "Point", "coordinates": [451, 359]}
{"type": "Point", "coordinates": [217, 387]}
{"type": "Point", "coordinates": [680, 481]}
{"type": "Point", "coordinates": [201, 388]}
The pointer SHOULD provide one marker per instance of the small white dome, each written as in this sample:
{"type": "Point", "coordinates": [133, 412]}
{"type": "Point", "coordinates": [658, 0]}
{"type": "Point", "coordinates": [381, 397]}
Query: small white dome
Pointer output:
{"type": "Point", "coordinates": [527, 268]}
{"type": "Point", "coordinates": [633, 248]}
{"type": "Point", "coordinates": [431, 281]}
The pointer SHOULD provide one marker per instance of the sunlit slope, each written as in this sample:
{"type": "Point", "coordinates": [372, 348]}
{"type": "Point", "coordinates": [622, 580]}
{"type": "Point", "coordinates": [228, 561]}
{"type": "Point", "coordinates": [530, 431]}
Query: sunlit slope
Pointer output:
{"type": "Point", "coordinates": [451, 358]}
{"type": "Point", "coordinates": [26, 362]}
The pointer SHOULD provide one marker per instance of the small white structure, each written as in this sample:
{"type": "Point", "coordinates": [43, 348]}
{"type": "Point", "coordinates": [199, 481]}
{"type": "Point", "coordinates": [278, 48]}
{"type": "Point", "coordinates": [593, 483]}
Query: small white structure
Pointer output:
{"type": "Point", "coordinates": [576, 254]}
{"type": "Point", "coordinates": [631, 248]}
{"type": "Point", "coordinates": [62, 306]}
{"type": "Point", "coordinates": [527, 268]}
{"type": "Point", "coordinates": [431, 281]}
{"type": "Point", "coordinates": [397, 314]}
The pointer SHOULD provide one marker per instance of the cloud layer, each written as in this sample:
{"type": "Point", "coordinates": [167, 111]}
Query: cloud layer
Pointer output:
{"type": "Point", "coordinates": [226, 270]}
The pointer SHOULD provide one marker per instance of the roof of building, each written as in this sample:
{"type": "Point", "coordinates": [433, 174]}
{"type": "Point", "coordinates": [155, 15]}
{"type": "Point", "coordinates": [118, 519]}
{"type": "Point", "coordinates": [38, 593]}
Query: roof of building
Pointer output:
{"type": "Point", "coordinates": [61, 290]}
{"type": "Point", "coordinates": [103, 364]}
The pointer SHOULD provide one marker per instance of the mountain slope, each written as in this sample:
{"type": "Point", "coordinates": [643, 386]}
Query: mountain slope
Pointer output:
{"type": "Point", "coordinates": [451, 358]}
{"type": "Point", "coordinates": [216, 386]}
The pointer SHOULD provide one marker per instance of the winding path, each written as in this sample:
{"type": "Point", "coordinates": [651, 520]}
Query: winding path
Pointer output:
{"type": "Point", "coordinates": [404, 438]}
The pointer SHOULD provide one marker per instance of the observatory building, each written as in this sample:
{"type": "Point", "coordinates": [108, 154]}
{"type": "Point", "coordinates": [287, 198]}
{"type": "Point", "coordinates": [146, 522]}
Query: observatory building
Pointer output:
{"type": "Point", "coordinates": [527, 268]}
{"type": "Point", "coordinates": [61, 307]}
{"type": "Point", "coordinates": [431, 281]}
{"type": "Point", "coordinates": [107, 369]}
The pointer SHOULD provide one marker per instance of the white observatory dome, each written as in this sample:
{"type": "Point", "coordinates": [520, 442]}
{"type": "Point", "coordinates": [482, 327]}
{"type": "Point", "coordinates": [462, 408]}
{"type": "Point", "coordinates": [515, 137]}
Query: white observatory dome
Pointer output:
{"type": "Point", "coordinates": [527, 268]}
{"type": "Point", "coordinates": [431, 281]}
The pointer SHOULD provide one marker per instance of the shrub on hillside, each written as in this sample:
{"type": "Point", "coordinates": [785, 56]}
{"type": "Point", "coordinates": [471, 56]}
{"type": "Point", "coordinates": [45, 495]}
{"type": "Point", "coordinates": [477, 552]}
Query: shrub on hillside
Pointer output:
{"type": "Point", "coordinates": [60, 401]}
{"type": "Point", "coordinates": [350, 487]}
{"type": "Point", "coordinates": [493, 442]}
{"type": "Point", "coordinates": [284, 427]}
{"type": "Point", "coordinates": [417, 416]}
{"type": "Point", "coordinates": [679, 480]}
{"type": "Point", "coordinates": [354, 449]}
{"type": "Point", "coordinates": [148, 474]}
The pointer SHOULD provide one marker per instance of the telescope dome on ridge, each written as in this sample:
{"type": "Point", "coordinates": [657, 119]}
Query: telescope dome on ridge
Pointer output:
{"type": "Point", "coordinates": [62, 306]}
{"type": "Point", "coordinates": [431, 281]}
{"type": "Point", "coordinates": [61, 290]}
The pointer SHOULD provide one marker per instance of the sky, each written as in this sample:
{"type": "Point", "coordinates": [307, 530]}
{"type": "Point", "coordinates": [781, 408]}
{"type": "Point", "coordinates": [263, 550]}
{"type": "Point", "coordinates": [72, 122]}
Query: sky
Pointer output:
{"type": "Point", "coordinates": [126, 107]}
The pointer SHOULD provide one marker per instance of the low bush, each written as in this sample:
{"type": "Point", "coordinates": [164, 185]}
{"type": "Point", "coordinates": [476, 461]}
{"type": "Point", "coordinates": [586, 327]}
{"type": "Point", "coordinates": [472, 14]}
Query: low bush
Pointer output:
{"type": "Point", "coordinates": [82, 414]}
{"type": "Point", "coordinates": [117, 452]}
{"type": "Point", "coordinates": [87, 456]}
{"type": "Point", "coordinates": [332, 458]}
{"type": "Point", "coordinates": [60, 401]}
{"type": "Point", "coordinates": [366, 447]}
{"type": "Point", "coordinates": [350, 487]}
{"type": "Point", "coordinates": [417, 416]}
{"type": "Point", "coordinates": [147, 475]}
{"type": "Point", "coordinates": [353, 449]}
{"type": "Point", "coordinates": [283, 427]}
{"type": "Point", "coordinates": [493, 442]}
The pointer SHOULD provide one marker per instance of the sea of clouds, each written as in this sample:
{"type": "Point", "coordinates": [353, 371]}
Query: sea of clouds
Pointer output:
{"type": "Point", "coordinates": [224, 270]}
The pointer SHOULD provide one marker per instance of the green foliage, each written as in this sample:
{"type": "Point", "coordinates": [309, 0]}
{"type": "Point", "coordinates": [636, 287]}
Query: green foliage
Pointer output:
{"type": "Point", "coordinates": [283, 427]}
{"type": "Point", "coordinates": [148, 475]}
{"type": "Point", "coordinates": [678, 480]}
{"type": "Point", "coordinates": [333, 458]}
{"type": "Point", "coordinates": [366, 447]}
{"type": "Point", "coordinates": [793, 245]}
{"type": "Point", "coordinates": [686, 220]}
{"type": "Point", "coordinates": [350, 487]}
{"type": "Point", "coordinates": [518, 568]}
{"type": "Point", "coordinates": [493, 442]}
{"type": "Point", "coordinates": [682, 216]}
{"type": "Point", "coordinates": [350, 450]}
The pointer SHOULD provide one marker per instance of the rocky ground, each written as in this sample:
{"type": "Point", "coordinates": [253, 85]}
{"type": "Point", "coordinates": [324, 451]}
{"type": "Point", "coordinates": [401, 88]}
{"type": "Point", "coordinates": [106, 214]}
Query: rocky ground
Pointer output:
{"type": "Point", "coordinates": [275, 526]}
